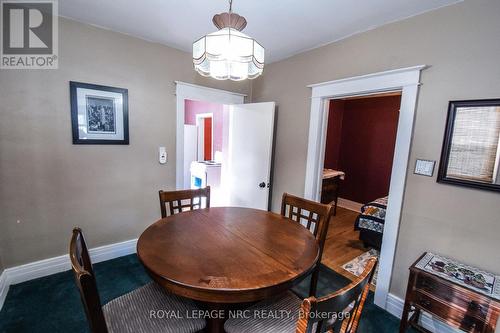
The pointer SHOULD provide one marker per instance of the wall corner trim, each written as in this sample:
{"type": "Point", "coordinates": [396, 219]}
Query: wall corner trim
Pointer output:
{"type": "Point", "coordinates": [41, 268]}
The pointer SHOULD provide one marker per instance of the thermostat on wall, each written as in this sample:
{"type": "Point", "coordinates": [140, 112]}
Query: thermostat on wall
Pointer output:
{"type": "Point", "coordinates": [424, 167]}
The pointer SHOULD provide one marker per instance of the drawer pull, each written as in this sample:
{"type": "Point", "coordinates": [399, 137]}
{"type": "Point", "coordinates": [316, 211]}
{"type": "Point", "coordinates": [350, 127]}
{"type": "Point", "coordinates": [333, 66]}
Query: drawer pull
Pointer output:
{"type": "Point", "coordinates": [427, 286]}
{"type": "Point", "coordinates": [469, 323]}
{"type": "Point", "coordinates": [424, 302]}
{"type": "Point", "coordinates": [474, 306]}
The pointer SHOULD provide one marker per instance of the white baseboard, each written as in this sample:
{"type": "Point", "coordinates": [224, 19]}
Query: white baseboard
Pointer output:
{"type": "Point", "coordinates": [394, 306]}
{"type": "Point", "coordinates": [59, 264]}
{"type": "Point", "coordinates": [349, 204]}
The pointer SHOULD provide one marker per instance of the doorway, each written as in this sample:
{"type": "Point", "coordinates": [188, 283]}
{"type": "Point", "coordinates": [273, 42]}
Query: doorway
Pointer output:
{"type": "Point", "coordinates": [203, 147]}
{"type": "Point", "coordinates": [359, 151]}
{"type": "Point", "coordinates": [213, 146]}
{"type": "Point", "coordinates": [205, 125]}
{"type": "Point", "coordinates": [407, 80]}
{"type": "Point", "coordinates": [187, 91]}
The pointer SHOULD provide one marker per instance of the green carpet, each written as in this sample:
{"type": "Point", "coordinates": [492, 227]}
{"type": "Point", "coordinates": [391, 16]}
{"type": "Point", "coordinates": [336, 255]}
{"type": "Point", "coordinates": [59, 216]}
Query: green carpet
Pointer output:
{"type": "Point", "coordinates": [374, 319]}
{"type": "Point", "coordinates": [52, 304]}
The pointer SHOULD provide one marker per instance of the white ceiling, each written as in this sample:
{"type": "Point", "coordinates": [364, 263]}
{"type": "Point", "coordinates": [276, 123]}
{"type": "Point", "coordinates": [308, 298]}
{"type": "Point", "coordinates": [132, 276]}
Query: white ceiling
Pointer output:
{"type": "Point", "coordinates": [283, 27]}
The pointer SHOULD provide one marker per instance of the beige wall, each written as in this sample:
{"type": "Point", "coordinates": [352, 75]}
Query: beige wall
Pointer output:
{"type": "Point", "coordinates": [460, 43]}
{"type": "Point", "coordinates": [50, 185]}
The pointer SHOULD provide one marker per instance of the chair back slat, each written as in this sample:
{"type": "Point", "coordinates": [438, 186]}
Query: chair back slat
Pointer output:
{"type": "Point", "coordinates": [310, 220]}
{"type": "Point", "coordinates": [312, 215]}
{"type": "Point", "coordinates": [85, 281]}
{"type": "Point", "coordinates": [340, 311]}
{"type": "Point", "coordinates": [183, 200]}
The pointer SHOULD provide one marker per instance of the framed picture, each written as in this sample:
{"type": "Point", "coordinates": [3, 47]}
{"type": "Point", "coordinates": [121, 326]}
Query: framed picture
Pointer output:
{"type": "Point", "coordinates": [471, 155]}
{"type": "Point", "coordinates": [99, 114]}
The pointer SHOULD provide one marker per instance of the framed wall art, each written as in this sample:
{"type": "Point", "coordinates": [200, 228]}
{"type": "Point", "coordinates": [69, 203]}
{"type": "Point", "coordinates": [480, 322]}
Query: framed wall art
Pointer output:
{"type": "Point", "coordinates": [99, 114]}
{"type": "Point", "coordinates": [471, 149]}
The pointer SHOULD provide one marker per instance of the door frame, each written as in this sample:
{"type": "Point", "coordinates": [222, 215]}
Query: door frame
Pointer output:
{"type": "Point", "coordinates": [195, 92]}
{"type": "Point", "coordinates": [406, 80]}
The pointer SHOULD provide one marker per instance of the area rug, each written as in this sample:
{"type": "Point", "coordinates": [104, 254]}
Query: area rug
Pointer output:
{"type": "Point", "coordinates": [357, 265]}
{"type": "Point", "coordinates": [328, 281]}
{"type": "Point", "coordinates": [52, 303]}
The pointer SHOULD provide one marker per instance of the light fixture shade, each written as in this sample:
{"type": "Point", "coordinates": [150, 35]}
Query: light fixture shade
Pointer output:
{"type": "Point", "coordinates": [228, 54]}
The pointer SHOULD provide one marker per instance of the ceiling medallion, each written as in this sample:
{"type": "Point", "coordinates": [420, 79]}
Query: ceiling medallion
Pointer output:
{"type": "Point", "coordinates": [228, 54]}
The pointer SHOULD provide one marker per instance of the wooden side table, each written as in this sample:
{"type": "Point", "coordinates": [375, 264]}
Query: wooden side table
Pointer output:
{"type": "Point", "coordinates": [330, 187]}
{"type": "Point", "coordinates": [461, 296]}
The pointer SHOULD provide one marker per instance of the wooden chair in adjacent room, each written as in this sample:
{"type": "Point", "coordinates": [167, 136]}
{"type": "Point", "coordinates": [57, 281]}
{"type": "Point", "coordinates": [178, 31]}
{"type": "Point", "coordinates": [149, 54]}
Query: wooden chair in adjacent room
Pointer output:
{"type": "Point", "coordinates": [338, 312]}
{"type": "Point", "coordinates": [184, 200]}
{"type": "Point", "coordinates": [130, 312]}
{"type": "Point", "coordinates": [315, 217]}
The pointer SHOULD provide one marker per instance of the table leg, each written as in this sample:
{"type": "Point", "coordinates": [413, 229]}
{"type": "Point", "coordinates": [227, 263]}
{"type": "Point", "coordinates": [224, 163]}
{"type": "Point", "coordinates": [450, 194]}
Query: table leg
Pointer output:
{"type": "Point", "coordinates": [407, 306]}
{"type": "Point", "coordinates": [215, 324]}
{"type": "Point", "coordinates": [220, 313]}
{"type": "Point", "coordinates": [336, 196]}
{"type": "Point", "coordinates": [404, 318]}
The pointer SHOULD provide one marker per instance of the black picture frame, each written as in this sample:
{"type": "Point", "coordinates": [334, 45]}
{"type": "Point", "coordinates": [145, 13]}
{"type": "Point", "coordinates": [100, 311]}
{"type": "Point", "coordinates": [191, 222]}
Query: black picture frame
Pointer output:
{"type": "Point", "coordinates": [77, 139]}
{"type": "Point", "coordinates": [445, 152]}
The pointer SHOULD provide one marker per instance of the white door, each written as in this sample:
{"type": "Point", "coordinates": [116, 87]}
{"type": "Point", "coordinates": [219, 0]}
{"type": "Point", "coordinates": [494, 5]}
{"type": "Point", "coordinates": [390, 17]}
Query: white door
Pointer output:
{"type": "Point", "coordinates": [247, 171]}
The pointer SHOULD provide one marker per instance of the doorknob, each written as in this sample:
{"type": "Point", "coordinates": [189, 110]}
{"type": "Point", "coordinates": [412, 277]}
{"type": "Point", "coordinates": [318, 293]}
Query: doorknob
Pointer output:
{"type": "Point", "coordinates": [262, 185]}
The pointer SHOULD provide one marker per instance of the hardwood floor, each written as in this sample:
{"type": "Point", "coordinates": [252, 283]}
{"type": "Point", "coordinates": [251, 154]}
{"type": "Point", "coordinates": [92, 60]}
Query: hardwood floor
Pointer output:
{"type": "Point", "coordinates": [342, 242]}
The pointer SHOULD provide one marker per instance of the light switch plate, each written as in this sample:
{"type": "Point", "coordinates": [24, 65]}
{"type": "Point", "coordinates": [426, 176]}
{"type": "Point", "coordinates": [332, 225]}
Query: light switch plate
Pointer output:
{"type": "Point", "coordinates": [424, 167]}
{"type": "Point", "coordinates": [162, 155]}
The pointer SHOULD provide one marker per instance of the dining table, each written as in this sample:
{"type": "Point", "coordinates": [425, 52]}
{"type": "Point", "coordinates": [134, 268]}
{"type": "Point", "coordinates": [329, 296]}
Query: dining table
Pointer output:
{"type": "Point", "coordinates": [225, 257]}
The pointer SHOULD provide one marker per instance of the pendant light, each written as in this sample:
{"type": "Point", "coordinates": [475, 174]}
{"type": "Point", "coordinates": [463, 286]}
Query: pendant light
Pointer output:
{"type": "Point", "coordinates": [228, 54]}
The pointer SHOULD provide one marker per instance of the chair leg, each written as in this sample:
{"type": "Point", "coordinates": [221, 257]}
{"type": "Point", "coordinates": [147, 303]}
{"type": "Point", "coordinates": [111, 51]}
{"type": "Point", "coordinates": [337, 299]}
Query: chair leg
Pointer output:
{"type": "Point", "coordinates": [314, 281]}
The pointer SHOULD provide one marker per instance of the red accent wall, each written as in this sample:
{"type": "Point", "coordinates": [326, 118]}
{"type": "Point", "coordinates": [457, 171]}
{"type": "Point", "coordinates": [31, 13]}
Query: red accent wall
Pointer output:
{"type": "Point", "coordinates": [360, 141]}
{"type": "Point", "coordinates": [192, 108]}
{"type": "Point", "coordinates": [207, 132]}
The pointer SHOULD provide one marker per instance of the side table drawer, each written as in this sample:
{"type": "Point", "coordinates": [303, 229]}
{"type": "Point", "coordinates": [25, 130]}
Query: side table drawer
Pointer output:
{"type": "Point", "coordinates": [473, 306]}
{"type": "Point", "coordinates": [441, 309]}
{"type": "Point", "coordinates": [449, 297]}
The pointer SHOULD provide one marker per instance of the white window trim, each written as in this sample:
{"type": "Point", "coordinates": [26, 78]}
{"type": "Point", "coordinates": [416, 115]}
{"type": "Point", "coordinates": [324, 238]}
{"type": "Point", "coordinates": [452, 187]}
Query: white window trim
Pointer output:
{"type": "Point", "coordinates": [407, 80]}
{"type": "Point", "coordinates": [195, 92]}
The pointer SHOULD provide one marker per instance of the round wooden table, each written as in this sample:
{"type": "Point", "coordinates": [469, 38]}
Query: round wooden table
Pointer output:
{"type": "Point", "coordinates": [227, 255]}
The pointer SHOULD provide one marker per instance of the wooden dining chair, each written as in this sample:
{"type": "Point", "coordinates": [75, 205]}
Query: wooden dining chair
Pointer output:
{"type": "Point", "coordinates": [183, 200]}
{"type": "Point", "coordinates": [130, 312]}
{"type": "Point", "coordinates": [338, 312]}
{"type": "Point", "coordinates": [315, 217]}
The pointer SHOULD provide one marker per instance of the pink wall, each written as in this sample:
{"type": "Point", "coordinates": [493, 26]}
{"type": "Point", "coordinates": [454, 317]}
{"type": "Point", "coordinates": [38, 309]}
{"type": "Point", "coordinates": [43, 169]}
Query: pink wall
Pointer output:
{"type": "Point", "coordinates": [192, 108]}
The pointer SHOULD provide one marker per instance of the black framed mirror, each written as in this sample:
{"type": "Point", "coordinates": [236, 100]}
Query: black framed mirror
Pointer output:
{"type": "Point", "coordinates": [470, 155]}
